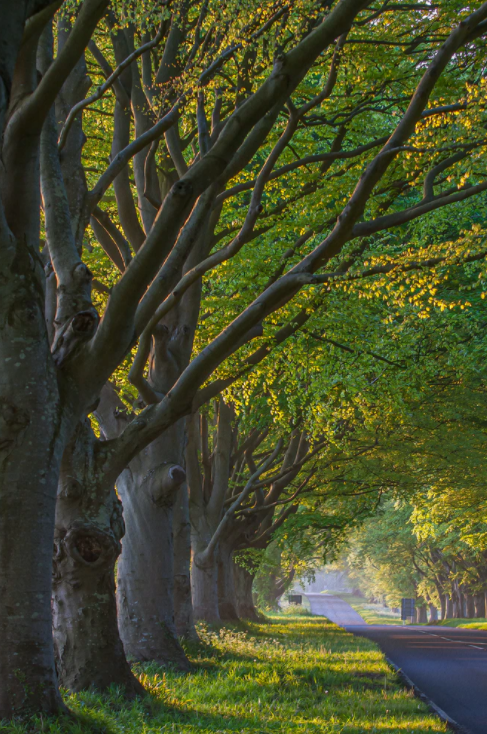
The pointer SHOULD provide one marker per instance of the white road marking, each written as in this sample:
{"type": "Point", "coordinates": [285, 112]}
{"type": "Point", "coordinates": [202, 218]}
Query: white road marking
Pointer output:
{"type": "Point", "coordinates": [460, 642]}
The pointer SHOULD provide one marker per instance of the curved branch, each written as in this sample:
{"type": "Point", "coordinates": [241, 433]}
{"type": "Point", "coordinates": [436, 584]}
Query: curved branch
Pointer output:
{"type": "Point", "coordinates": [106, 85]}
{"type": "Point", "coordinates": [124, 156]}
{"type": "Point", "coordinates": [203, 558]}
{"type": "Point", "coordinates": [33, 111]}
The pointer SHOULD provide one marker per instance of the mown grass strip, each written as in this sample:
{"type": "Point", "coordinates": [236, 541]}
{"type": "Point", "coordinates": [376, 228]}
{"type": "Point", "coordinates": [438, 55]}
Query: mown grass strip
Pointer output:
{"type": "Point", "coordinates": [472, 624]}
{"type": "Point", "coordinates": [296, 675]}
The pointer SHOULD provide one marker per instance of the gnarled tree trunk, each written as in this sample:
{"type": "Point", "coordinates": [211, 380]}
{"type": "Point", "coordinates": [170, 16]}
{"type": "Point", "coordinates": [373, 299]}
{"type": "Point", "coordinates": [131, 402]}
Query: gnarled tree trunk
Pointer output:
{"type": "Point", "coordinates": [89, 528]}
{"type": "Point", "coordinates": [148, 488]}
{"type": "Point", "coordinates": [145, 589]}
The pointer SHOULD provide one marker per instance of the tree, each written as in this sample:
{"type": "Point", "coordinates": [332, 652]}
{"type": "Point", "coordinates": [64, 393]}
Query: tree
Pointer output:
{"type": "Point", "coordinates": [57, 352]}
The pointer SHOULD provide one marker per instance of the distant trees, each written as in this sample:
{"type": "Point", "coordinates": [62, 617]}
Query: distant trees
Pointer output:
{"type": "Point", "coordinates": [392, 556]}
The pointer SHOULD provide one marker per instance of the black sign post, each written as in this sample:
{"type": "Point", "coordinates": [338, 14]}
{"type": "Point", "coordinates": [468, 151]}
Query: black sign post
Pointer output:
{"type": "Point", "coordinates": [407, 608]}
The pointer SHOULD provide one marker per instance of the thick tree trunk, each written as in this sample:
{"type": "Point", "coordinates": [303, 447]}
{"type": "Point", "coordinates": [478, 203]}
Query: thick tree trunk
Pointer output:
{"type": "Point", "coordinates": [204, 585]}
{"type": "Point", "coordinates": [89, 527]}
{"type": "Point", "coordinates": [449, 608]}
{"type": "Point", "coordinates": [470, 606]}
{"type": "Point", "coordinates": [145, 588]}
{"type": "Point", "coordinates": [32, 434]}
{"type": "Point", "coordinates": [183, 604]}
{"type": "Point", "coordinates": [421, 615]}
{"type": "Point", "coordinates": [243, 580]}
{"type": "Point", "coordinates": [227, 604]}
{"type": "Point", "coordinates": [443, 603]}
{"type": "Point", "coordinates": [433, 612]}
{"type": "Point", "coordinates": [148, 489]}
{"type": "Point", "coordinates": [479, 602]}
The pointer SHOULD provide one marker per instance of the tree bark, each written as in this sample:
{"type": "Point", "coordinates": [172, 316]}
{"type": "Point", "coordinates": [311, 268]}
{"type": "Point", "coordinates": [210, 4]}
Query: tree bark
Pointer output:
{"type": "Point", "coordinates": [227, 605]}
{"type": "Point", "coordinates": [204, 585]}
{"type": "Point", "coordinates": [433, 612]}
{"type": "Point", "coordinates": [89, 528]}
{"type": "Point", "coordinates": [183, 605]}
{"type": "Point", "coordinates": [421, 615]}
{"type": "Point", "coordinates": [457, 601]}
{"type": "Point", "coordinates": [479, 602]}
{"type": "Point", "coordinates": [244, 580]}
{"type": "Point", "coordinates": [31, 433]}
{"type": "Point", "coordinates": [33, 429]}
{"type": "Point", "coordinates": [449, 608]}
{"type": "Point", "coordinates": [443, 603]}
{"type": "Point", "coordinates": [148, 489]}
{"type": "Point", "coordinates": [145, 589]}
{"type": "Point", "coordinates": [470, 606]}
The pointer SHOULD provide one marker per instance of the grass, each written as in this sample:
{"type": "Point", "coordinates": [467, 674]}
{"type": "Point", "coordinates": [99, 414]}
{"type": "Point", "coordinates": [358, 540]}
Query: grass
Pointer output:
{"type": "Point", "coordinates": [469, 624]}
{"type": "Point", "coordinates": [290, 675]}
{"type": "Point", "coordinates": [371, 613]}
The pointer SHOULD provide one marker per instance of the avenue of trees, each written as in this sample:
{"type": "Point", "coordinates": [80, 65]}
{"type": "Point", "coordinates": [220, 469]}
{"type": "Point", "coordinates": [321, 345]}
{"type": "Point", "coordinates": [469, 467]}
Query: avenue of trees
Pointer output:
{"type": "Point", "coordinates": [242, 312]}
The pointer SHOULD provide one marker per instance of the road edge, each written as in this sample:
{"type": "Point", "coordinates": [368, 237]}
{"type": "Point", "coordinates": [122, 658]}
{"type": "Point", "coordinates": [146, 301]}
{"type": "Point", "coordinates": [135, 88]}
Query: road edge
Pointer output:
{"type": "Point", "coordinates": [457, 728]}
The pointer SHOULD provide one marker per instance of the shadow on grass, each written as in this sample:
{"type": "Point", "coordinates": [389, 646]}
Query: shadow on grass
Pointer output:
{"type": "Point", "coordinates": [286, 675]}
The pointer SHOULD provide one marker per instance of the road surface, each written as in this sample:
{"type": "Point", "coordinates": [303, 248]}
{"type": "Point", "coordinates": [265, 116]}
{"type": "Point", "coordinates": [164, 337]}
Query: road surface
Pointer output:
{"type": "Point", "coordinates": [335, 609]}
{"type": "Point", "coordinates": [448, 665]}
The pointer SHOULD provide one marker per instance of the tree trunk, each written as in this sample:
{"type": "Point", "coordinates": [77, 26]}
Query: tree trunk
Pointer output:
{"type": "Point", "coordinates": [89, 527]}
{"type": "Point", "coordinates": [148, 488]}
{"type": "Point", "coordinates": [449, 608]}
{"type": "Point", "coordinates": [227, 604]}
{"type": "Point", "coordinates": [145, 588]}
{"type": "Point", "coordinates": [479, 602]}
{"type": "Point", "coordinates": [183, 604]}
{"type": "Point", "coordinates": [243, 581]}
{"type": "Point", "coordinates": [433, 612]}
{"type": "Point", "coordinates": [204, 585]}
{"type": "Point", "coordinates": [32, 435]}
{"type": "Point", "coordinates": [457, 602]}
{"type": "Point", "coordinates": [421, 615]}
{"type": "Point", "coordinates": [470, 606]}
{"type": "Point", "coordinates": [443, 603]}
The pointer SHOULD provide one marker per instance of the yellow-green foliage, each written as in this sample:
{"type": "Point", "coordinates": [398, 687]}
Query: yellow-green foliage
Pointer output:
{"type": "Point", "coordinates": [298, 675]}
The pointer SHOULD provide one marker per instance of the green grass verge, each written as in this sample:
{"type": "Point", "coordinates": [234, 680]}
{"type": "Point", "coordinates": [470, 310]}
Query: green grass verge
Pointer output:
{"type": "Point", "coordinates": [469, 624]}
{"type": "Point", "coordinates": [289, 675]}
{"type": "Point", "coordinates": [371, 613]}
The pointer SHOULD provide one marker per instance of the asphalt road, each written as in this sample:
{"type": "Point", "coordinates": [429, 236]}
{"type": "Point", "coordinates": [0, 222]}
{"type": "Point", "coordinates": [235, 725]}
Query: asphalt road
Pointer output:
{"type": "Point", "coordinates": [448, 665]}
{"type": "Point", "coordinates": [338, 611]}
